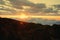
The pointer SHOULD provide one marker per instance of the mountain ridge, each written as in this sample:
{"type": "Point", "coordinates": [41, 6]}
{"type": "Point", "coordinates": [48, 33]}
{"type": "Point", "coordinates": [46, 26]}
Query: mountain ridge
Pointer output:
{"type": "Point", "coordinates": [11, 29]}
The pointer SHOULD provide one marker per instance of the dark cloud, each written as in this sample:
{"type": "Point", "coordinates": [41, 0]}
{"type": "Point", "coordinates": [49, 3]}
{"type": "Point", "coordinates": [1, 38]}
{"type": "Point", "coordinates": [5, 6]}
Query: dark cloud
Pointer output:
{"type": "Point", "coordinates": [50, 10]}
{"type": "Point", "coordinates": [40, 5]}
{"type": "Point", "coordinates": [33, 10]}
{"type": "Point", "coordinates": [20, 3]}
{"type": "Point", "coordinates": [1, 2]}
{"type": "Point", "coordinates": [34, 7]}
{"type": "Point", "coordinates": [37, 8]}
{"type": "Point", "coordinates": [57, 6]}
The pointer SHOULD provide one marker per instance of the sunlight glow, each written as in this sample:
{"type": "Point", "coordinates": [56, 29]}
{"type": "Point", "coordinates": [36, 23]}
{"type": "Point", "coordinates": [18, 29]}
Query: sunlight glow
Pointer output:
{"type": "Point", "coordinates": [25, 17]}
{"type": "Point", "coordinates": [22, 16]}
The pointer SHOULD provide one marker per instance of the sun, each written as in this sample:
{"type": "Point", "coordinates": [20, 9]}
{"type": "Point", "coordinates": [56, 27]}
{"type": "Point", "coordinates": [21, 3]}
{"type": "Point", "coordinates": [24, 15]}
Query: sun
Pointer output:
{"type": "Point", "coordinates": [23, 17]}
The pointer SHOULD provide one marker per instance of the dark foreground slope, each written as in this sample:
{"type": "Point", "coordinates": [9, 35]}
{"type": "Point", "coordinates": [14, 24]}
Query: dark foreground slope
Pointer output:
{"type": "Point", "coordinates": [16, 30]}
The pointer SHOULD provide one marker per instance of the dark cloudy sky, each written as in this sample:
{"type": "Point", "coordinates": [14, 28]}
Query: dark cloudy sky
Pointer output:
{"type": "Point", "coordinates": [34, 7]}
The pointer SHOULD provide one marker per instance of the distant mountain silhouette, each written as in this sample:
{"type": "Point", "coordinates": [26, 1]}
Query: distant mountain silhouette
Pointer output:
{"type": "Point", "coordinates": [11, 29]}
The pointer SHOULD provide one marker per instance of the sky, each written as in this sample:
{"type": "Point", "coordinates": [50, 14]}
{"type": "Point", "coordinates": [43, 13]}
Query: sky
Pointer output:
{"type": "Point", "coordinates": [42, 7]}
{"type": "Point", "coordinates": [47, 2]}
{"type": "Point", "coordinates": [32, 7]}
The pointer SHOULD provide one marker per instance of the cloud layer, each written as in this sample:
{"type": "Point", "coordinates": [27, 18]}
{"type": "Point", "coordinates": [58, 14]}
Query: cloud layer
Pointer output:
{"type": "Point", "coordinates": [11, 6]}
